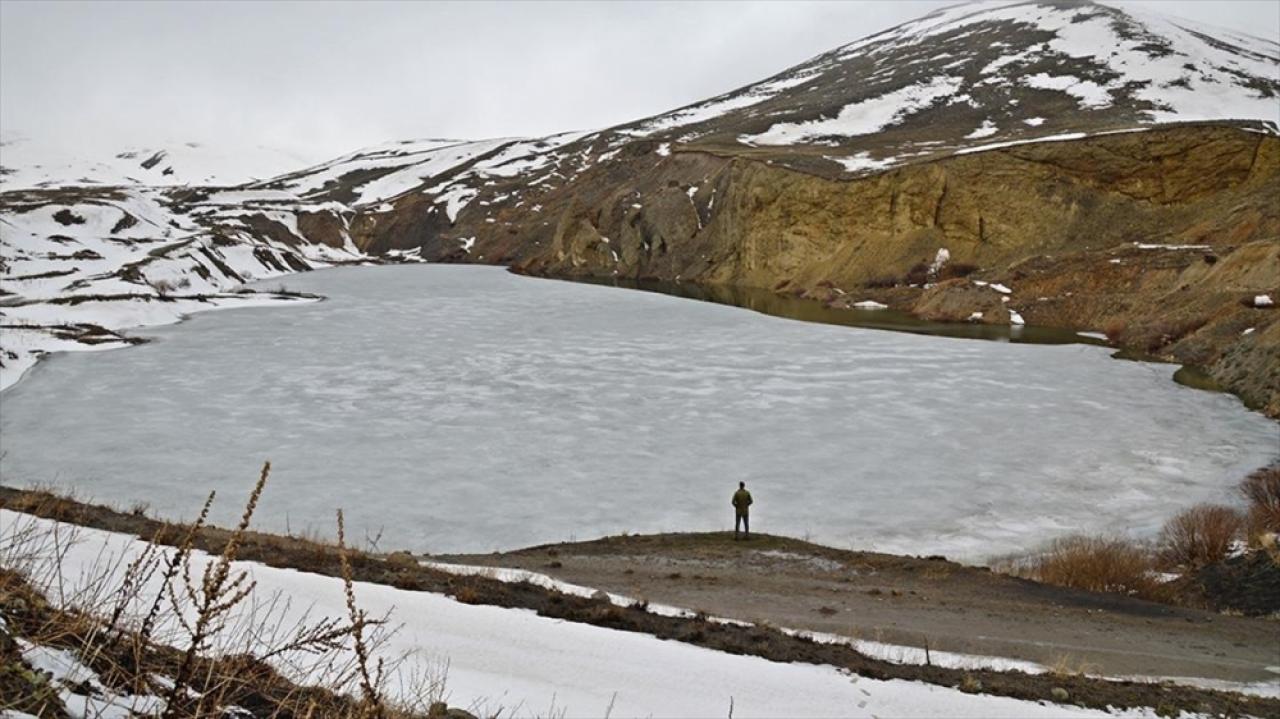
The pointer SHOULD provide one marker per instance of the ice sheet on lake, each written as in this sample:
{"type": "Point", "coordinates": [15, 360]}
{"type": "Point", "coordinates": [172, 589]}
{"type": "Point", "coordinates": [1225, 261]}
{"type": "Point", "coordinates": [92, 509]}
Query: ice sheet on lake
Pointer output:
{"type": "Point", "coordinates": [467, 409]}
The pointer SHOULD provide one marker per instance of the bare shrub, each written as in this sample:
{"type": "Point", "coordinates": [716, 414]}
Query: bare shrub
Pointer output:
{"type": "Point", "coordinates": [1114, 330]}
{"type": "Point", "coordinates": [1262, 490]}
{"type": "Point", "coordinates": [1200, 535]}
{"type": "Point", "coordinates": [164, 288]}
{"type": "Point", "coordinates": [1163, 333]}
{"type": "Point", "coordinates": [185, 633]}
{"type": "Point", "coordinates": [1096, 564]}
{"type": "Point", "coordinates": [220, 590]}
{"type": "Point", "coordinates": [918, 274]}
{"type": "Point", "coordinates": [368, 681]}
{"type": "Point", "coordinates": [952, 270]}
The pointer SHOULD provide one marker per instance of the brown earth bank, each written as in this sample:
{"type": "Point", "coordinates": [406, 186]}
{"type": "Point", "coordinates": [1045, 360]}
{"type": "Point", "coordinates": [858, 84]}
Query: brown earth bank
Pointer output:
{"type": "Point", "coordinates": [1065, 225]}
{"type": "Point", "coordinates": [1235, 647]}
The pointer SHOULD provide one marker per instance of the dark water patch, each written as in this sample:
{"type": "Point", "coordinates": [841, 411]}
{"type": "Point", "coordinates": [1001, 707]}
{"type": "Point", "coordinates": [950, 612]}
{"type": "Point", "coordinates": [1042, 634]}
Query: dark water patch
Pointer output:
{"type": "Point", "coordinates": [772, 303]}
{"type": "Point", "coordinates": [807, 310]}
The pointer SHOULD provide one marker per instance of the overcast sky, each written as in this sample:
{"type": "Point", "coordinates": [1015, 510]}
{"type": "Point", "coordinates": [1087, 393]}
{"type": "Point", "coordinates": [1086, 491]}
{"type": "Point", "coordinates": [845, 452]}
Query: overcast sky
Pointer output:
{"type": "Point", "coordinates": [320, 79]}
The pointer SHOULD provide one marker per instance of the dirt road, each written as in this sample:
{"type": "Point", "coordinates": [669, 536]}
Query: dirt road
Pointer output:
{"type": "Point", "coordinates": [909, 601]}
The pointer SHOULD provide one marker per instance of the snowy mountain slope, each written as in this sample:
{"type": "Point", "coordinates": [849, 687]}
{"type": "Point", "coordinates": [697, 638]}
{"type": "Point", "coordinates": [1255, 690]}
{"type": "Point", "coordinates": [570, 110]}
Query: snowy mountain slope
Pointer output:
{"type": "Point", "coordinates": [84, 264]}
{"type": "Point", "coordinates": [31, 161]}
{"type": "Point", "coordinates": [984, 74]}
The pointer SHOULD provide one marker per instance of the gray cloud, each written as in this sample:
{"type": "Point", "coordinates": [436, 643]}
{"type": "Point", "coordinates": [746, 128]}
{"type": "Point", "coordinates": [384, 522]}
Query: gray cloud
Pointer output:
{"type": "Point", "coordinates": [324, 78]}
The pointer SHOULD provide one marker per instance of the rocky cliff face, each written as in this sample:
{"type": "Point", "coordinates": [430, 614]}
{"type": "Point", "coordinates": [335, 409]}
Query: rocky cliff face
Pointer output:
{"type": "Point", "coordinates": [1162, 239]}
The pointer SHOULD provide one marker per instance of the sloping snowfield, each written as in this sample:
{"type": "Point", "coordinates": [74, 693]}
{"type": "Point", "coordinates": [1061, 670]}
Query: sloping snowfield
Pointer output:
{"type": "Point", "coordinates": [528, 665]}
{"type": "Point", "coordinates": [467, 409]}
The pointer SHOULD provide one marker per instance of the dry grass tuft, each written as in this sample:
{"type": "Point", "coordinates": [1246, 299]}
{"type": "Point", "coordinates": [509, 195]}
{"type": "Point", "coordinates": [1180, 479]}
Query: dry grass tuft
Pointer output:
{"type": "Point", "coordinates": [1065, 665]}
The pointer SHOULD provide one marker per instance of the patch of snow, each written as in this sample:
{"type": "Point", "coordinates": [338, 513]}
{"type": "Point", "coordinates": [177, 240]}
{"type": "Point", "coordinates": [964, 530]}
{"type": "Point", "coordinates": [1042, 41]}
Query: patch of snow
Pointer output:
{"type": "Point", "coordinates": [1002, 289]}
{"type": "Point", "coordinates": [1089, 94]}
{"type": "Point", "coordinates": [1011, 143]}
{"type": "Point", "coordinates": [863, 162]}
{"type": "Point", "coordinates": [870, 305]}
{"type": "Point", "coordinates": [1015, 318]}
{"type": "Point", "coordinates": [718, 106]}
{"type": "Point", "coordinates": [987, 129]}
{"type": "Point", "coordinates": [455, 197]}
{"type": "Point", "coordinates": [1034, 121]}
{"type": "Point", "coordinates": [939, 260]}
{"type": "Point", "coordinates": [1148, 246]}
{"type": "Point", "coordinates": [69, 676]}
{"type": "Point", "coordinates": [865, 117]}
{"type": "Point", "coordinates": [1263, 301]}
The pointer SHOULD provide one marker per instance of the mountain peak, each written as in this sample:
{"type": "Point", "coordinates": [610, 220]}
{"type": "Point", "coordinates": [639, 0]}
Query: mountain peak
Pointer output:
{"type": "Point", "coordinates": [970, 76]}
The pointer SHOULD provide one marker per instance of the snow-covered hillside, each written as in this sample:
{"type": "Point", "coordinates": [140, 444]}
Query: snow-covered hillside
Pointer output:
{"type": "Point", "coordinates": [77, 266]}
{"type": "Point", "coordinates": [29, 160]}
{"type": "Point", "coordinates": [986, 74]}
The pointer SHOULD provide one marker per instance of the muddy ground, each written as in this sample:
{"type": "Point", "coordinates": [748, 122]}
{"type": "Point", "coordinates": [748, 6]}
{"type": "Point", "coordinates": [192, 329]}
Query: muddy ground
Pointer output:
{"type": "Point", "coordinates": [910, 601]}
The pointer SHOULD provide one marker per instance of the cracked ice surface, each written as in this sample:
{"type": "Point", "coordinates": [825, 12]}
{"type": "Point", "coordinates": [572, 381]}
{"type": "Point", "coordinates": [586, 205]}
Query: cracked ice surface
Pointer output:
{"type": "Point", "coordinates": [464, 408]}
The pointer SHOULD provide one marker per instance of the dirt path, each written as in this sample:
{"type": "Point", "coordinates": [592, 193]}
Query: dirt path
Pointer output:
{"type": "Point", "coordinates": [902, 600]}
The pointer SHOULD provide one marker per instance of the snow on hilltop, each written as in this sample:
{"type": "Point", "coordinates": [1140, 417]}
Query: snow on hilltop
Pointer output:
{"type": "Point", "coordinates": [28, 162]}
{"type": "Point", "coordinates": [988, 74]}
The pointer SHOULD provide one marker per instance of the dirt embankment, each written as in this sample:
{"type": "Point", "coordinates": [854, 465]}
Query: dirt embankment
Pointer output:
{"type": "Point", "coordinates": [1070, 227]}
{"type": "Point", "coordinates": [1067, 684]}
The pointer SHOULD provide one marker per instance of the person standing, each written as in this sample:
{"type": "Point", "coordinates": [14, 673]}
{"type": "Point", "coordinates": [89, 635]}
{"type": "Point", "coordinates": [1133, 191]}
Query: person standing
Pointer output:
{"type": "Point", "coordinates": [741, 513]}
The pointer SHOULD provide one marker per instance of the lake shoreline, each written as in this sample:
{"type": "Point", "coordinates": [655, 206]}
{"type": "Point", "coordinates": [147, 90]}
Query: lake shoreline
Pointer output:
{"type": "Point", "coordinates": [947, 536]}
{"type": "Point", "coordinates": [821, 310]}
{"type": "Point", "coordinates": [893, 579]}
{"type": "Point", "coordinates": [825, 310]}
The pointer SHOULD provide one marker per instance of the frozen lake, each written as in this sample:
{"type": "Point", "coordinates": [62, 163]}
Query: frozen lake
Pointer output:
{"type": "Point", "coordinates": [466, 409]}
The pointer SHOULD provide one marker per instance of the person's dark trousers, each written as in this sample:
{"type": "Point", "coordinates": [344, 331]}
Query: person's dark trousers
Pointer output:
{"type": "Point", "coordinates": [743, 521]}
